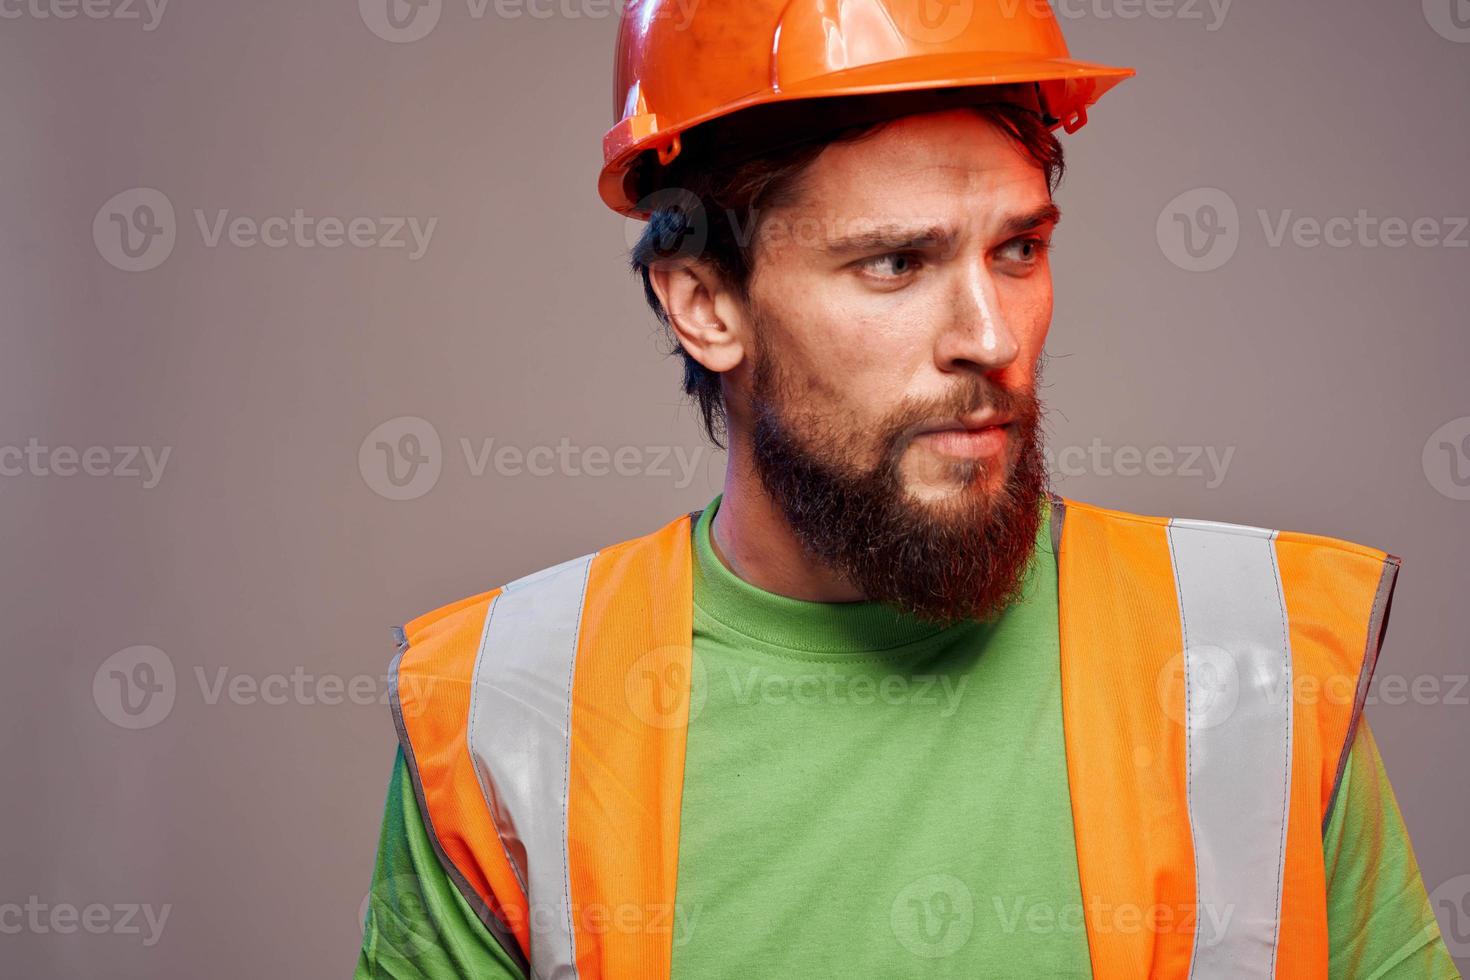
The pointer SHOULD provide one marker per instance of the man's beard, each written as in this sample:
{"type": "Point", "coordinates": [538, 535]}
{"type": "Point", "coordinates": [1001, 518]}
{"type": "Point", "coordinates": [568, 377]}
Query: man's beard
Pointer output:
{"type": "Point", "coordinates": [944, 561]}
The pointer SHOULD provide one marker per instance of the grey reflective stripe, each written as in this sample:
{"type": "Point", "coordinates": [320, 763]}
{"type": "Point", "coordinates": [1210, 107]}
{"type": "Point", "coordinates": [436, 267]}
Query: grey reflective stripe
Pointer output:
{"type": "Point", "coordinates": [520, 740]}
{"type": "Point", "coordinates": [1237, 670]}
{"type": "Point", "coordinates": [1058, 521]}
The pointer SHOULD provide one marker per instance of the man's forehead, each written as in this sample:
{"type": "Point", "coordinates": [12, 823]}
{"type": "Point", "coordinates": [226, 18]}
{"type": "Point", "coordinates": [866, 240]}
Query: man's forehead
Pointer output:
{"type": "Point", "coordinates": [928, 161]}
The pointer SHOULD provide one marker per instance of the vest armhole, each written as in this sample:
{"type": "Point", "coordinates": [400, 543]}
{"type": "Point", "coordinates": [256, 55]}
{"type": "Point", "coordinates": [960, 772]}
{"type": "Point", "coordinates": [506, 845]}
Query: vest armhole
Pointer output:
{"type": "Point", "coordinates": [498, 930]}
{"type": "Point", "coordinates": [1377, 628]}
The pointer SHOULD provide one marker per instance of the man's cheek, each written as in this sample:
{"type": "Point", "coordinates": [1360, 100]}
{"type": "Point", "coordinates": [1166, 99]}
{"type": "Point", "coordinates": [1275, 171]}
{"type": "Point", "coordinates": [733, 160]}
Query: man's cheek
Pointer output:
{"type": "Point", "coordinates": [1034, 324]}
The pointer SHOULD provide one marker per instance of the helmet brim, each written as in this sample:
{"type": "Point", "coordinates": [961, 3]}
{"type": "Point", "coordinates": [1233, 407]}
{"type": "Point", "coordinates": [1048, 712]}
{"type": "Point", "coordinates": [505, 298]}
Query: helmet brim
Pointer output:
{"type": "Point", "coordinates": [1067, 88]}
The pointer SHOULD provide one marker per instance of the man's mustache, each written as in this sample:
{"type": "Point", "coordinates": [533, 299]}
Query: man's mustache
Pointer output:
{"type": "Point", "coordinates": [972, 399]}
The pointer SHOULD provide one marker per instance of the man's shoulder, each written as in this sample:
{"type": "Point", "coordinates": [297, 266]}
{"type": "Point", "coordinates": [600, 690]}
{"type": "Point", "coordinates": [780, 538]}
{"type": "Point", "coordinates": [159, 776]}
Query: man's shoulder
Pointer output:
{"type": "Point", "coordinates": [1075, 512]}
{"type": "Point", "coordinates": [440, 625]}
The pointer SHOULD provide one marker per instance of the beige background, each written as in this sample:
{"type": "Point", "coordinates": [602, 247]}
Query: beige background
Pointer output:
{"type": "Point", "coordinates": [265, 548]}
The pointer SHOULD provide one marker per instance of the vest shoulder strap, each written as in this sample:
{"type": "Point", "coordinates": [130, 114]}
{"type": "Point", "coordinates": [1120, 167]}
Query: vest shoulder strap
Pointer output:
{"type": "Point", "coordinates": [430, 696]}
{"type": "Point", "coordinates": [544, 723]}
{"type": "Point", "coordinates": [1212, 678]}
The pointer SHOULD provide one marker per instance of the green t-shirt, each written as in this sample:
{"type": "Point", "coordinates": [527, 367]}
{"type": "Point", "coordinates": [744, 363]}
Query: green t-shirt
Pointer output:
{"type": "Point", "coordinates": [866, 794]}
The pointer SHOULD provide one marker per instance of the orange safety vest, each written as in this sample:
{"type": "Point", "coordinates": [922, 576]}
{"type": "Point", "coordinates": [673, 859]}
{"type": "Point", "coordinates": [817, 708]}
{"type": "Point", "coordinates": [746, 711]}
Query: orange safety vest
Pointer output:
{"type": "Point", "coordinates": [1212, 677]}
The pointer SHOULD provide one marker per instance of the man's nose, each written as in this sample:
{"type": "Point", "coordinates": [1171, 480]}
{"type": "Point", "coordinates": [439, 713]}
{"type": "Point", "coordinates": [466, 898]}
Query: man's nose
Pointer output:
{"type": "Point", "coordinates": [977, 336]}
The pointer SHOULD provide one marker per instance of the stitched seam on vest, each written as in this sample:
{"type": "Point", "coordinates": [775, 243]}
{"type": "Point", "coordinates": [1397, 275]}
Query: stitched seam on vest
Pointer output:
{"type": "Point", "coordinates": [1188, 739]}
{"type": "Point", "coordinates": [1377, 627]}
{"type": "Point", "coordinates": [1058, 521]}
{"type": "Point", "coordinates": [1290, 676]}
{"type": "Point", "coordinates": [566, 791]}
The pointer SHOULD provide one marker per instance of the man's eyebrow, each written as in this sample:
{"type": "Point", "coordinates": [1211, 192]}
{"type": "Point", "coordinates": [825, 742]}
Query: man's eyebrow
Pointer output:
{"type": "Point", "coordinates": [897, 238]}
{"type": "Point", "coordinates": [891, 238]}
{"type": "Point", "coordinates": [1047, 214]}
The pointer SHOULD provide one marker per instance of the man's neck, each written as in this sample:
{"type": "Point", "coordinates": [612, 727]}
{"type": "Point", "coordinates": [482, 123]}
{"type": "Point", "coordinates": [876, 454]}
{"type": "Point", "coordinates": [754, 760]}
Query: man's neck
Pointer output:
{"type": "Point", "coordinates": [753, 539]}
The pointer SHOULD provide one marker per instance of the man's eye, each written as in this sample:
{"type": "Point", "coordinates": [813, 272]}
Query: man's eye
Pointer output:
{"type": "Point", "coordinates": [894, 265]}
{"type": "Point", "coordinates": [1026, 250]}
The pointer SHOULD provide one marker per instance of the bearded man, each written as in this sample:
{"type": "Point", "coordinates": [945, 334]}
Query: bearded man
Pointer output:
{"type": "Point", "coordinates": [886, 707]}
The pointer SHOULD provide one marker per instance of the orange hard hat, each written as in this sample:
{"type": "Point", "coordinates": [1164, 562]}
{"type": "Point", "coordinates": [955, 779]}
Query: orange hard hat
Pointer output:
{"type": "Point", "coordinates": [681, 63]}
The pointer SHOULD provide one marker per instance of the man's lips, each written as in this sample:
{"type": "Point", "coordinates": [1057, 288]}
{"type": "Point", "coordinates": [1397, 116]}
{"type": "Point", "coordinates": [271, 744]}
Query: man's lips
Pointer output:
{"type": "Point", "coordinates": [970, 423]}
{"type": "Point", "coordinates": [968, 438]}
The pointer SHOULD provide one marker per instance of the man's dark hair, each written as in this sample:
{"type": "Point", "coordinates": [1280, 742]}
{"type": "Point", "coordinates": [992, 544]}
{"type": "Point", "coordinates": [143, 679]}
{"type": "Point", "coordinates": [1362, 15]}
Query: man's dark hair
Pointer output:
{"type": "Point", "coordinates": [707, 205]}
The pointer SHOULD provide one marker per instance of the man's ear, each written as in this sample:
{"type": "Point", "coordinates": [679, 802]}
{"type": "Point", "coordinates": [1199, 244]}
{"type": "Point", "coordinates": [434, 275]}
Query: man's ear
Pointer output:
{"type": "Point", "coordinates": [708, 319]}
